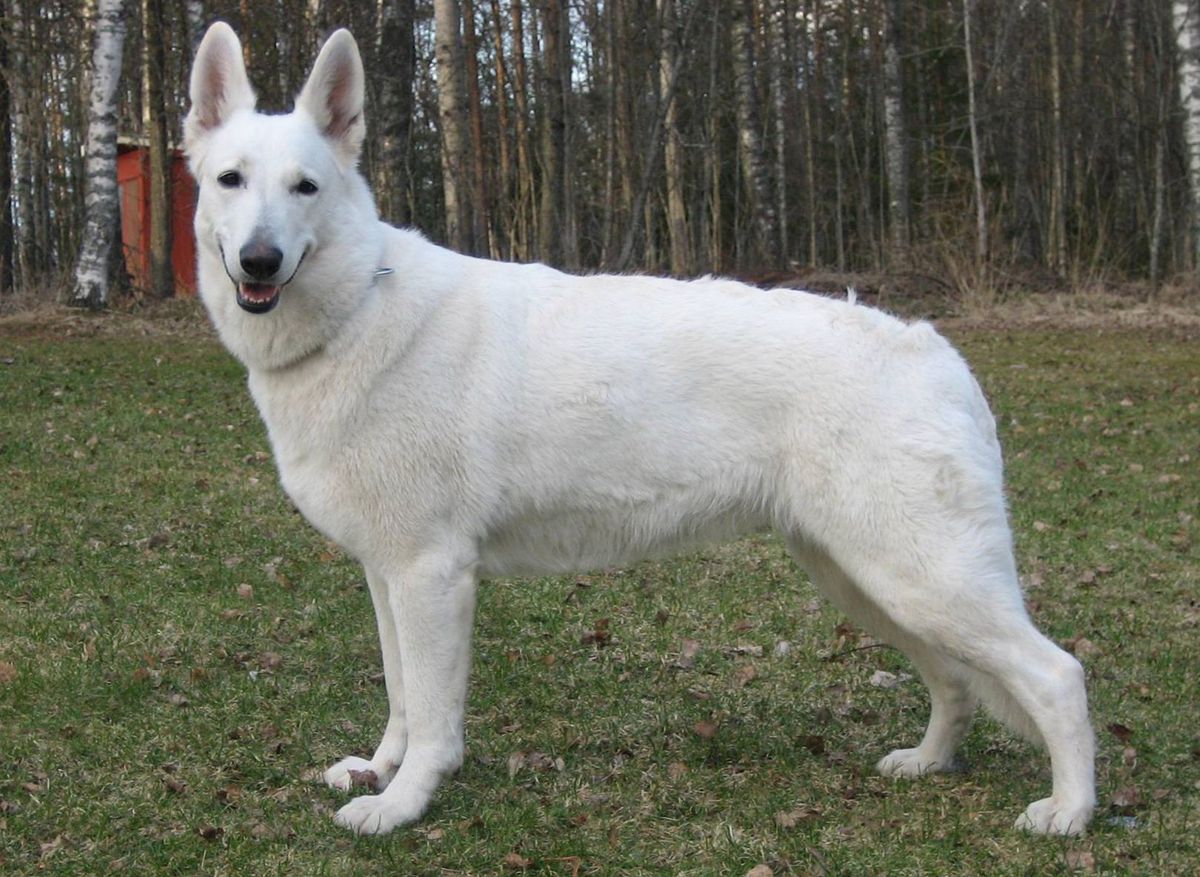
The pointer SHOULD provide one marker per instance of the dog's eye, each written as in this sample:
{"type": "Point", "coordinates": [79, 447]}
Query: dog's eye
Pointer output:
{"type": "Point", "coordinates": [230, 179]}
{"type": "Point", "coordinates": [306, 187]}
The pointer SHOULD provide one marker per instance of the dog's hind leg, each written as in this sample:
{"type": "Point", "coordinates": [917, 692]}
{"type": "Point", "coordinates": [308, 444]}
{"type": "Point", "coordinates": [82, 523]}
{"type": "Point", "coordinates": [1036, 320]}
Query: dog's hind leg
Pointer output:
{"type": "Point", "coordinates": [957, 599]}
{"type": "Point", "coordinates": [379, 770]}
{"type": "Point", "coordinates": [952, 702]}
{"type": "Point", "coordinates": [432, 602]}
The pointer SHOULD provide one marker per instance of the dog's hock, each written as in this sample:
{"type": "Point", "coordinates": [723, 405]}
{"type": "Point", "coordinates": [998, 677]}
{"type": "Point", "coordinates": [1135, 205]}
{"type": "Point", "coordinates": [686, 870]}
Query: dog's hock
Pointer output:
{"type": "Point", "coordinates": [219, 86]}
{"type": "Point", "coordinates": [333, 95]}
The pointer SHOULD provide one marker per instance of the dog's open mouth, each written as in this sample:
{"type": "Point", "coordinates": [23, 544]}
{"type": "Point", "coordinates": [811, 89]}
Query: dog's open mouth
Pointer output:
{"type": "Point", "coordinates": [257, 298]}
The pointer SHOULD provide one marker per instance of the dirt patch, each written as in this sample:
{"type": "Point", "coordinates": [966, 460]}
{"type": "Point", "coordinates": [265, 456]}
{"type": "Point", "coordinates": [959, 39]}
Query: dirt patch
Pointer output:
{"type": "Point", "coordinates": [1174, 309]}
{"type": "Point", "coordinates": [182, 318]}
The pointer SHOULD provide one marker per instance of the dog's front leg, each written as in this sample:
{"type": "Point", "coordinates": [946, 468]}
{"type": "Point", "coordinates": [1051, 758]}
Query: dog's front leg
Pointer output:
{"type": "Point", "coordinates": [432, 602]}
{"type": "Point", "coordinates": [382, 766]}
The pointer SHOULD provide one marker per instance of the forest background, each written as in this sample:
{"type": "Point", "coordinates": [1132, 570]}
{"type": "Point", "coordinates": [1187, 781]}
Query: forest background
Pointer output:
{"type": "Point", "coordinates": [978, 146]}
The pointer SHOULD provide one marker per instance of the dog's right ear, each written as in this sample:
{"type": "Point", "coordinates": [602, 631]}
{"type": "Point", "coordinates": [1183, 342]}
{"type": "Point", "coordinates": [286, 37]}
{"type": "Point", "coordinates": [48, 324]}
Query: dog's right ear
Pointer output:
{"type": "Point", "coordinates": [219, 86]}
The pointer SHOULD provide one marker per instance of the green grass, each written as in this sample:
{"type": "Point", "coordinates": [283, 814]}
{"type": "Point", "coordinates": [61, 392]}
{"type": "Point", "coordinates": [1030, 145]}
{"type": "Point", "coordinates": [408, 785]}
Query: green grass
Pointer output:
{"type": "Point", "coordinates": [158, 716]}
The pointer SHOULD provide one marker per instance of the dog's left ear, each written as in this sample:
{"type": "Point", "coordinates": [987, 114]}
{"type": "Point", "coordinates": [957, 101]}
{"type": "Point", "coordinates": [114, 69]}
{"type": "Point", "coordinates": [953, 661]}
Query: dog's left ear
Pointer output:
{"type": "Point", "coordinates": [333, 95]}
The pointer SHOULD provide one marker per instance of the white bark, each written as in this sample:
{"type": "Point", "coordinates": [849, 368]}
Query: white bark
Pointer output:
{"type": "Point", "coordinates": [894, 135]}
{"type": "Point", "coordinates": [100, 185]}
{"type": "Point", "coordinates": [1187, 37]}
{"type": "Point", "coordinates": [981, 235]}
{"type": "Point", "coordinates": [448, 55]}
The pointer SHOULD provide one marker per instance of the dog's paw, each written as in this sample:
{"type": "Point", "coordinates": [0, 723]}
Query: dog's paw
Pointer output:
{"type": "Point", "coordinates": [374, 814]}
{"type": "Point", "coordinates": [1048, 816]}
{"type": "Point", "coordinates": [911, 763]}
{"type": "Point", "coordinates": [353, 771]}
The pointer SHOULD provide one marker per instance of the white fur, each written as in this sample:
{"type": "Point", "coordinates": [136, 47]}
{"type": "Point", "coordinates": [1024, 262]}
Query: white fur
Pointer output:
{"type": "Point", "coordinates": [463, 418]}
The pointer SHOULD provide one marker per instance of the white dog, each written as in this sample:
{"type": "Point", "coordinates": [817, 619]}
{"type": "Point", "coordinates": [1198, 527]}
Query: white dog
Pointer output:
{"type": "Point", "coordinates": [445, 418]}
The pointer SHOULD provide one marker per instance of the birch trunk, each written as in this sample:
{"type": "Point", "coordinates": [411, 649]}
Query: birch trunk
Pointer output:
{"type": "Point", "coordinates": [504, 196]}
{"type": "Point", "coordinates": [781, 64]}
{"type": "Point", "coordinates": [394, 109]}
{"type": "Point", "coordinates": [1187, 37]}
{"type": "Point", "coordinates": [100, 201]}
{"type": "Point", "coordinates": [895, 140]}
{"type": "Point", "coordinates": [524, 230]}
{"type": "Point", "coordinates": [753, 160]}
{"type": "Point", "coordinates": [1058, 174]}
{"type": "Point", "coordinates": [481, 221]}
{"type": "Point", "coordinates": [981, 236]}
{"type": "Point", "coordinates": [677, 226]}
{"type": "Point", "coordinates": [448, 54]}
{"type": "Point", "coordinates": [553, 133]}
{"type": "Point", "coordinates": [6, 224]}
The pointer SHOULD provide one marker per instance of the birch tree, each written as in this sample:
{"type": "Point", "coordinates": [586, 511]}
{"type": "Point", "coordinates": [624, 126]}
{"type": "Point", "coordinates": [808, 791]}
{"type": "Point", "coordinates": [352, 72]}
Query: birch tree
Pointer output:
{"type": "Point", "coordinates": [100, 202]}
{"type": "Point", "coordinates": [895, 139]}
{"type": "Point", "coordinates": [678, 235]}
{"type": "Point", "coordinates": [448, 52]}
{"type": "Point", "coordinates": [1187, 37]}
{"type": "Point", "coordinates": [750, 146]}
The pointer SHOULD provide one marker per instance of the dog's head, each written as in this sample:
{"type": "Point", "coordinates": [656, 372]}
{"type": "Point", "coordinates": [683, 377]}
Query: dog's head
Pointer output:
{"type": "Point", "coordinates": [282, 212]}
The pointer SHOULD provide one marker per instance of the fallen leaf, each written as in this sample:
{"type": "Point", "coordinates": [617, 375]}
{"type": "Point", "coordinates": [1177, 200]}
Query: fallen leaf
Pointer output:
{"type": "Point", "coordinates": [792, 818]}
{"type": "Point", "coordinates": [270, 661]}
{"type": "Point", "coordinates": [706, 730]}
{"type": "Point", "coordinates": [814, 743]}
{"type": "Point", "coordinates": [743, 625]}
{"type": "Point", "coordinates": [177, 699]}
{"type": "Point", "coordinates": [1121, 732]}
{"type": "Point", "coordinates": [260, 831]}
{"type": "Point", "coordinates": [209, 832]}
{"type": "Point", "coordinates": [598, 636]}
{"type": "Point", "coordinates": [744, 675]}
{"type": "Point", "coordinates": [7, 672]}
{"type": "Point", "coordinates": [49, 848]}
{"type": "Point", "coordinates": [1126, 799]}
{"type": "Point", "coordinates": [517, 862]}
{"type": "Point", "coordinates": [1080, 860]}
{"type": "Point", "coordinates": [174, 784]}
{"type": "Point", "coordinates": [884, 679]}
{"type": "Point", "coordinates": [760, 871]}
{"type": "Point", "coordinates": [676, 770]}
{"type": "Point", "coordinates": [245, 591]}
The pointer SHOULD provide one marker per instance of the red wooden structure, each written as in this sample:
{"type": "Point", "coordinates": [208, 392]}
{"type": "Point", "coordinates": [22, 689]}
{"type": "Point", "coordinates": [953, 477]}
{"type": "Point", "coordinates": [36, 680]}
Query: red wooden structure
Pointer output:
{"type": "Point", "coordinates": [133, 179]}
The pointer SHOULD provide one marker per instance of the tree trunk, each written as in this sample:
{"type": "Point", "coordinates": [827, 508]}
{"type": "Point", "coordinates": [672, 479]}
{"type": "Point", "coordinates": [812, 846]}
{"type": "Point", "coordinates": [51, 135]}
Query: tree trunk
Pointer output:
{"type": "Point", "coordinates": [981, 230]}
{"type": "Point", "coordinates": [394, 108]}
{"type": "Point", "coordinates": [481, 221]}
{"type": "Point", "coordinates": [91, 271]}
{"type": "Point", "coordinates": [895, 144]}
{"type": "Point", "coordinates": [448, 54]}
{"type": "Point", "coordinates": [6, 224]}
{"type": "Point", "coordinates": [23, 135]}
{"type": "Point", "coordinates": [1187, 36]}
{"type": "Point", "coordinates": [781, 63]}
{"type": "Point", "coordinates": [524, 232]}
{"type": "Point", "coordinates": [753, 160]}
{"type": "Point", "coordinates": [504, 195]}
{"type": "Point", "coordinates": [1057, 244]}
{"type": "Point", "coordinates": [678, 234]}
{"type": "Point", "coordinates": [154, 124]}
{"type": "Point", "coordinates": [553, 133]}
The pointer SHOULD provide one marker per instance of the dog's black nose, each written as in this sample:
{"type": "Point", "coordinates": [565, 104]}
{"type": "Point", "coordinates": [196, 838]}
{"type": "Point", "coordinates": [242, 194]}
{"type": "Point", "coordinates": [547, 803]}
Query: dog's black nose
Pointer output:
{"type": "Point", "coordinates": [260, 261]}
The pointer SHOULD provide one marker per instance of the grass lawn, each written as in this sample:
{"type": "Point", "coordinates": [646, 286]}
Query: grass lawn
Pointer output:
{"type": "Point", "coordinates": [180, 653]}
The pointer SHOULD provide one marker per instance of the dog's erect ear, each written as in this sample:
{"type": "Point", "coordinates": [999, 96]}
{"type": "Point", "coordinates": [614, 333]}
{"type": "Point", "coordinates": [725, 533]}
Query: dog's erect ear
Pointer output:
{"type": "Point", "coordinates": [219, 86]}
{"type": "Point", "coordinates": [333, 95]}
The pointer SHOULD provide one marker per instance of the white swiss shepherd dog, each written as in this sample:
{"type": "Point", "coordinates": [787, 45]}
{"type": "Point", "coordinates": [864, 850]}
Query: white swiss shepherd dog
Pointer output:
{"type": "Point", "coordinates": [445, 418]}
